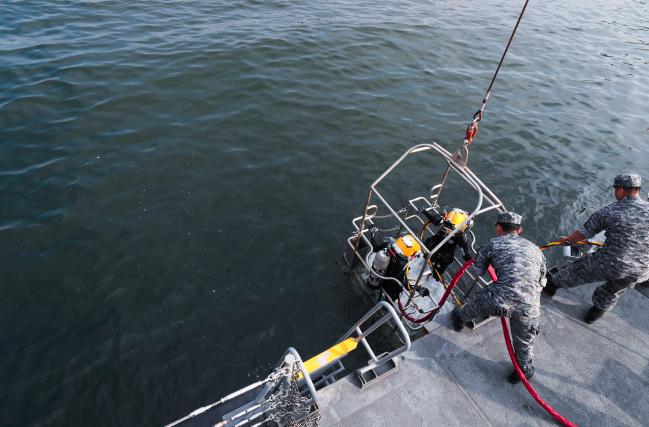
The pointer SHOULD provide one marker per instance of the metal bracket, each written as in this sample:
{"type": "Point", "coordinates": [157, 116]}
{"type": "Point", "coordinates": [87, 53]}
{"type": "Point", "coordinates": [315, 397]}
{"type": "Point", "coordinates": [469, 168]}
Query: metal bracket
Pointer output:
{"type": "Point", "coordinates": [461, 155]}
{"type": "Point", "coordinates": [371, 373]}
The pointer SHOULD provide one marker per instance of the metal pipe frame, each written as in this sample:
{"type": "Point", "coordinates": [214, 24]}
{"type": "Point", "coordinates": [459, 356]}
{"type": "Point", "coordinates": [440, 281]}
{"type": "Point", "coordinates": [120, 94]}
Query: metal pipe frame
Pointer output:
{"type": "Point", "coordinates": [484, 194]}
{"type": "Point", "coordinates": [362, 335]}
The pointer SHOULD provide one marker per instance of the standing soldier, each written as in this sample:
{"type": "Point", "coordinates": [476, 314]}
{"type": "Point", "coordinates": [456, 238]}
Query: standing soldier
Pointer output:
{"type": "Point", "coordinates": [520, 268]}
{"type": "Point", "coordinates": [623, 261]}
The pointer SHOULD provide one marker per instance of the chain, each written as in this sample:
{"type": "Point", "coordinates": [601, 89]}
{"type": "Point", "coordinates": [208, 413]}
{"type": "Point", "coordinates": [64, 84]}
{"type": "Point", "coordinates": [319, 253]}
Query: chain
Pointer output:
{"type": "Point", "coordinates": [289, 405]}
{"type": "Point", "coordinates": [276, 376]}
{"type": "Point", "coordinates": [374, 228]}
{"type": "Point", "coordinates": [390, 215]}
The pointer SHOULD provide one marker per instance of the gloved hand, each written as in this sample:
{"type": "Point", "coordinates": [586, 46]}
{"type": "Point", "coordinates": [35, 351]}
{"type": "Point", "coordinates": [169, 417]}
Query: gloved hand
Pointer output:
{"type": "Point", "coordinates": [435, 218]}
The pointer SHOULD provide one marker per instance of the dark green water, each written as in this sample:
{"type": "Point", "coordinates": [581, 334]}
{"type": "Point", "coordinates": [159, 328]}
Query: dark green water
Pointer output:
{"type": "Point", "coordinates": [177, 178]}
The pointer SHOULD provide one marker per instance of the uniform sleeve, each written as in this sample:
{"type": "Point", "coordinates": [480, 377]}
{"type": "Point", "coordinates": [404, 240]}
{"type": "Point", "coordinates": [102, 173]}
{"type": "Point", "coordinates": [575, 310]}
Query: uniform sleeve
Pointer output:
{"type": "Point", "coordinates": [595, 223]}
{"type": "Point", "coordinates": [544, 268]}
{"type": "Point", "coordinates": [482, 260]}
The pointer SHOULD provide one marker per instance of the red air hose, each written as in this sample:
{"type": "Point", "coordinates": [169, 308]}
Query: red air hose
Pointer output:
{"type": "Point", "coordinates": [447, 293]}
{"type": "Point", "coordinates": [510, 349]}
{"type": "Point", "coordinates": [442, 301]}
{"type": "Point", "coordinates": [557, 416]}
{"type": "Point", "coordinates": [423, 319]}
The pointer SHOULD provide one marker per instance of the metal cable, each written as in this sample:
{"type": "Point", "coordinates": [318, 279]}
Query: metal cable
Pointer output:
{"type": "Point", "coordinates": [472, 129]}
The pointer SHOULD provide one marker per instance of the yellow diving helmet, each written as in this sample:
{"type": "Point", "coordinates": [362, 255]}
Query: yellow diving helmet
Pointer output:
{"type": "Point", "coordinates": [455, 218]}
{"type": "Point", "coordinates": [406, 246]}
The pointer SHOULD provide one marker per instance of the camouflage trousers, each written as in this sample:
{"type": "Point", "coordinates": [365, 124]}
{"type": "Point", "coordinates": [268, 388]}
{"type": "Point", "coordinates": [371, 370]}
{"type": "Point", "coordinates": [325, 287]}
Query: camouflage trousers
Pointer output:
{"type": "Point", "coordinates": [587, 270]}
{"type": "Point", "coordinates": [524, 328]}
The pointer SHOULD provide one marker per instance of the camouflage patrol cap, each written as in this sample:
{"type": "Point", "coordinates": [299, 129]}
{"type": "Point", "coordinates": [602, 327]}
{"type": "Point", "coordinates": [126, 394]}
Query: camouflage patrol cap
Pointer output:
{"type": "Point", "coordinates": [627, 180]}
{"type": "Point", "coordinates": [509, 218]}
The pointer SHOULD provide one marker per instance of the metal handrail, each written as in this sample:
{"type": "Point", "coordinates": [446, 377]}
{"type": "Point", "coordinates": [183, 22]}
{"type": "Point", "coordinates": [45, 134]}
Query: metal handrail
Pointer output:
{"type": "Point", "coordinates": [305, 375]}
{"type": "Point", "coordinates": [391, 314]}
{"type": "Point", "coordinates": [289, 357]}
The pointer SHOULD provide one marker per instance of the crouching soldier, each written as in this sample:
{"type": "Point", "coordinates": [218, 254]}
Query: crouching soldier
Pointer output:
{"type": "Point", "coordinates": [623, 261]}
{"type": "Point", "coordinates": [520, 268]}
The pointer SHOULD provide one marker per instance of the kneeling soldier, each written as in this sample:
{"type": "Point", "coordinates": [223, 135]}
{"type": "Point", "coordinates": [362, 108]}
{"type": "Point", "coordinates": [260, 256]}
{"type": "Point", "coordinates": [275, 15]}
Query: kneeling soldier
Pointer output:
{"type": "Point", "coordinates": [520, 268]}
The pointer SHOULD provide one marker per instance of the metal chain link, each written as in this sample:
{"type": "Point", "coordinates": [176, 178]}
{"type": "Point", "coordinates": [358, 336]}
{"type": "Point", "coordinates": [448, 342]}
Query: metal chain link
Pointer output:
{"type": "Point", "coordinates": [390, 215]}
{"type": "Point", "coordinates": [385, 230]}
{"type": "Point", "coordinates": [374, 228]}
{"type": "Point", "coordinates": [289, 405]}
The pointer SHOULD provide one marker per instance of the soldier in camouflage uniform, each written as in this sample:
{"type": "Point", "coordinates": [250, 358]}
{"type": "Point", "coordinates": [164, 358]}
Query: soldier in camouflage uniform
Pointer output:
{"type": "Point", "coordinates": [520, 268]}
{"type": "Point", "coordinates": [623, 261]}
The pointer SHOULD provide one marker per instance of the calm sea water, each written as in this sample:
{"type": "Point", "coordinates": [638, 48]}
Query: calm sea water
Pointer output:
{"type": "Point", "coordinates": [177, 178]}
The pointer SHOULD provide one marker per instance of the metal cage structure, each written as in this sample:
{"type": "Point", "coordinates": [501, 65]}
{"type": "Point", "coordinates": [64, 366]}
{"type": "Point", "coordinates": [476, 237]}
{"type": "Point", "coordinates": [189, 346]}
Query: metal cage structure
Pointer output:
{"type": "Point", "coordinates": [360, 245]}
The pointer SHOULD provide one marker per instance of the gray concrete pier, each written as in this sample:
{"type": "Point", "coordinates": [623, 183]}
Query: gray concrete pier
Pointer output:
{"type": "Point", "coordinates": [595, 375]}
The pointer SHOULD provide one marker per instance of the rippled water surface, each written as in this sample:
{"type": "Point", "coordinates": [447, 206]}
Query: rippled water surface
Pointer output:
{"type": "Point", "coordinates": [177, 178]}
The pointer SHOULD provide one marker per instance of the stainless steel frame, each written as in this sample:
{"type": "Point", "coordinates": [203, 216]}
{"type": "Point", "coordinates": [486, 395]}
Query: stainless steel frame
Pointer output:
{"type": "Point", "coordinates": [486, 201]}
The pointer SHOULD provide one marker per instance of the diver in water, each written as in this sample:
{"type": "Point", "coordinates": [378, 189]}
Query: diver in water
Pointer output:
{"type": "Point", "coordinates": [390, 260]}
{"type": "Point", "coordinates": [447, 223]}
{"type": "Point", "coordinates": [392, 256]}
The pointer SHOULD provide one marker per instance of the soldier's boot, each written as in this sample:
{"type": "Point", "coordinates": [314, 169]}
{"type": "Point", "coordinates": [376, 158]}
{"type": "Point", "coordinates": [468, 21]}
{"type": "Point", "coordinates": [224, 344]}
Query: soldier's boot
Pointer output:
{"type": "Point", "coordinates": [550, 289]}
{"type": "Point", "coordinates": [458, 323]}
{"type": "Point", "coordinates": [515, 379]}
{"type": "Point", "coordinates": [593, 314]}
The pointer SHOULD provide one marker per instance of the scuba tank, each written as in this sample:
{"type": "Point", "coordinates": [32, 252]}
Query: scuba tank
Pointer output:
{"type": "Point", "coordinates": [380, 266]}
{"type": "Point", "coordinates": [390, 261]}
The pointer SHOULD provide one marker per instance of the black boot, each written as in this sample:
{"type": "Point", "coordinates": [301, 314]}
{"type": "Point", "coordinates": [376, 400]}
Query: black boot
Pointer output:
{"type": "Point", "coordinates": [593, 314]}
{"type": "Point", "coordinates": [515, 379]}
{"type": "Point", "coordinates": [458, 323]}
